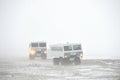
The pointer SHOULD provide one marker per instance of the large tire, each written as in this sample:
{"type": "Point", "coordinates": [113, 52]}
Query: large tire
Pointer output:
{"type": "Point", "coordinates": [77, 61]}
{"type": "Point", "coordinates": [31, 57]}
{"type": "Point", "coordinates": [56, 61]}
{"type": "Point", "coordinates": [60, 60]}
{"type": "Point", "coordinates": [65, 61]}
{"type": "Point", "coordinates": [43, 56]}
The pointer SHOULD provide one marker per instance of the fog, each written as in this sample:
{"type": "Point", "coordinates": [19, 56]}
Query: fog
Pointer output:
{"type": "Point", "coordinates": [93, 23]}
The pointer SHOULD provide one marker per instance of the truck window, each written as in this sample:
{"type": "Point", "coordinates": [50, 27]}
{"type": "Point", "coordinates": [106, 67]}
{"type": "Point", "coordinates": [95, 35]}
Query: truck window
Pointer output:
{"type": "Point", "coordinates": [42, 44]}
{"type": "Point", "coordinates": [34, 44]}
{"type": "Point", "coordinates": [56, 48]}
{"type": "Point", "coordinates": [76, 47]}
{"type": "Point", "coordinates": [67, 48]}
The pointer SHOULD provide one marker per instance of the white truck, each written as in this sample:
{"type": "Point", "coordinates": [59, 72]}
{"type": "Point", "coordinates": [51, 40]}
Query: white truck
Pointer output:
{"type": "Point", "coordinates": [65, 54]}
{"type": "Point", "coordinates": [38, 49]}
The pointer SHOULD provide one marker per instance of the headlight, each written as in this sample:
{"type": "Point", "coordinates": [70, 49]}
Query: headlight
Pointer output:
{"type": "Point", "coordinates": [65, 56]}
{"type": "Point", "coordinates": [45, 52]}
{"type": "Point", "coordinates": [81, 55]}
{"type": "Point", "coordinates": [32, 52]}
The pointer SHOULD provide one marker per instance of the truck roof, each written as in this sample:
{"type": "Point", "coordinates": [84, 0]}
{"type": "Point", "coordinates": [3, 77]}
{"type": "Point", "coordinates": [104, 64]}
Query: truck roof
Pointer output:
{"type": "Point", "coordinates": [61, 45]}
{"type": "Point", "coordinates": [39, 42]}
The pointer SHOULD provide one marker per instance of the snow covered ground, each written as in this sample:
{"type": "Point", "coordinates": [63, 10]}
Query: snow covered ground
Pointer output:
{"type": "Point", "coordinates": [25, 69]}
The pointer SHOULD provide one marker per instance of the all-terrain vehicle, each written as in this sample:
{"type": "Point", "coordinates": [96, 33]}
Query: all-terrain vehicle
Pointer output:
{"type": "Point", "coordinates": [38, 49]}
{"type": "Point", "coordinates": [66, 54]}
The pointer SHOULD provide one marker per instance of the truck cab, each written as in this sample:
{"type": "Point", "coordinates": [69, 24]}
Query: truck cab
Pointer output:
{"type": "Point", "coordinates": [66, 53]}
{"type": "Point", "coordinates": [38, 49]}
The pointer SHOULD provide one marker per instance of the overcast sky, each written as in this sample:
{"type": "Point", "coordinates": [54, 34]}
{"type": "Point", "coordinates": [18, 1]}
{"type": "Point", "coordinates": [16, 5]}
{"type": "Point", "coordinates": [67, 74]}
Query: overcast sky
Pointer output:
{"type": "Point", "coordinates": [93, 23]}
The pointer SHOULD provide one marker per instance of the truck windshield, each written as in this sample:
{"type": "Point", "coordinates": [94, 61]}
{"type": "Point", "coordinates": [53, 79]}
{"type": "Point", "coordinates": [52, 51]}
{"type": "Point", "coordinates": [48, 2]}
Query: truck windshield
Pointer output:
{"type": "Point", "coordinates": [67, 48]}
{"type": "Point", "coordinates": [34, 44]}
{"type": "Point", "coordinates": [42, 44]}
{"type": "Point", "coordinates": [76, 47]}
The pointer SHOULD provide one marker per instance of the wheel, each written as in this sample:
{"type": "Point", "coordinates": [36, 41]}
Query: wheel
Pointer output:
{"type": "Point", "coordinates": [60, 60]}
{"type": "Point", "coordinates": [77, 61]}
{"type": "Point", "coordinates": [43, 56]}
{"type": "Point", "coordinates": [31, 57]}
{"type": "Point", "coordinates": [56, 61]}
{"type": "Point", "coordinates": [65, 61]}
